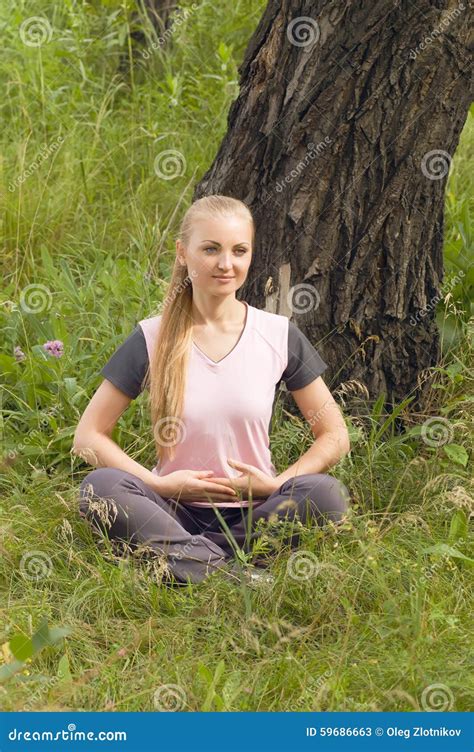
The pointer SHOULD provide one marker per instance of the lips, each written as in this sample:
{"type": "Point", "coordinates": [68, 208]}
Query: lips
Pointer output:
{"type": "Point", "coordinates": [224, 277]}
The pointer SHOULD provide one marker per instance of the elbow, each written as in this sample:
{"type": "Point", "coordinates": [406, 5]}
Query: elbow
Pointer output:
{"type": "Point", "coordinates": [82, 447]}
{"type": "Point", "coordinates": [346, 443]}
{"type": "Point", "coordinates": [341, 443]}
{"type": "Point", "coordinates": [77, 444]}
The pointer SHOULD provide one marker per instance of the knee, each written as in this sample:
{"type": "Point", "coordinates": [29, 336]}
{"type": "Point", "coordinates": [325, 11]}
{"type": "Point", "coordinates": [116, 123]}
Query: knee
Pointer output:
{"type": "Point", "coordinates": [100, 483]}
{"type": "Point", "coordinates": [328, 496]}
{"type": "Point", "coordinates": [97, 496]}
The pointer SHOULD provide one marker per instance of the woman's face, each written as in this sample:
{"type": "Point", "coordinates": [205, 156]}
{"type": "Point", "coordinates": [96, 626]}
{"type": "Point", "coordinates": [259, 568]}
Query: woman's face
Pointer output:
{"type": "Point", "coordinates": [218, 248]}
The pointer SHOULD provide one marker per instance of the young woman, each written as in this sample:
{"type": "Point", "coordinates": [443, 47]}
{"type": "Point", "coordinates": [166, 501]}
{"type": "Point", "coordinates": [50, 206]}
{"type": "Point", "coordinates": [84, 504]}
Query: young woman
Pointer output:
{"type": "Point", "coordinates": [211, 364]}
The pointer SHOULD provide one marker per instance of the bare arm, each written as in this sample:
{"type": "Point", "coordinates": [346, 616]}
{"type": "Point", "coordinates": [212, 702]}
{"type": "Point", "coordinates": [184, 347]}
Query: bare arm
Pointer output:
{"type": "Point", "coordinates": [92, 439]}
{"type": "Point", "coordinates": [328, 427]}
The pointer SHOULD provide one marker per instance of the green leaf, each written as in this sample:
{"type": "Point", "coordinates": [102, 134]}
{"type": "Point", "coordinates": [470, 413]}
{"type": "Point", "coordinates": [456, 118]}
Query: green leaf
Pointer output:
{"type": "Point", "coordinates": [45, 637]}
{"type": "Point", "coordinates": [10, 669]}
{"type": "Point", "coordinates": [40, 638]}
{"type": "Point", "coordinates": [444, 550]}
{"type": "Point", "coordinates": [64, 672]}
{"type": "Point", "coordinates": [204, 672]}
{"type": "Point", "coordinates": [21, 647]}
{"type": "Point", "coordinates": [56, 634]}
{"type": "Point", "coordinates": [459, 526]}
{"type": "Point", "coordinates": [456, 453]}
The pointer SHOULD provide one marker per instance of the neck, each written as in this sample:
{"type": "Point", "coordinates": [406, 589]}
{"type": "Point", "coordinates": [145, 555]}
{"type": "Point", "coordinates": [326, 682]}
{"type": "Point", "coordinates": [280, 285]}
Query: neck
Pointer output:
{"type": "Point", "coordinates": [217, 310]}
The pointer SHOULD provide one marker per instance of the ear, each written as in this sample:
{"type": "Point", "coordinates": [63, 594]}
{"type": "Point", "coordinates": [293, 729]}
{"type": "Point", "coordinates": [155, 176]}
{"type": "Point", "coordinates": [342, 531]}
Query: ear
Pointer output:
{"type": "Point", "coordinates": [180, 252]}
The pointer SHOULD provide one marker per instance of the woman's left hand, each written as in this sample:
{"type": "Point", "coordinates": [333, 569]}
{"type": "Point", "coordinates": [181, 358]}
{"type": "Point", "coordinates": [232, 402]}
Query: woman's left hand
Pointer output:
{"type": "Point", "coordinates": [252, 480]}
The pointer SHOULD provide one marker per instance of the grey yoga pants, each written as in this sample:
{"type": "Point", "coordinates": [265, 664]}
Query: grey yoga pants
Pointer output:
{"type": "Point", "coordinates": [193, 539]}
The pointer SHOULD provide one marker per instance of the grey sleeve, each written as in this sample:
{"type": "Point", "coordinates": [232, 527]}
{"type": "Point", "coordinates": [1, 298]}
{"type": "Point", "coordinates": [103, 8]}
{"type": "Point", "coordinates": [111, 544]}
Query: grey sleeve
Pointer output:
{"type": "Point", "coordinates": [127, 367]}
{"type": "Point", "coordinates": [304, 362]}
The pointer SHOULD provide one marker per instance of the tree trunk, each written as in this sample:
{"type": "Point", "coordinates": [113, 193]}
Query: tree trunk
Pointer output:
{"type": "Point", "coordinates": [340, 142]}
{"type": "Point", "coordinates": [159, 12]}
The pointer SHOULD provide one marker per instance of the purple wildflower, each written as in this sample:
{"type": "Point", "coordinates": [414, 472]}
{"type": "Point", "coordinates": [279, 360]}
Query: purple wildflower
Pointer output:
{"type": "Point", "coordinates": [19, 354]}
{"type": "Point", "coordinates": [54, 347]}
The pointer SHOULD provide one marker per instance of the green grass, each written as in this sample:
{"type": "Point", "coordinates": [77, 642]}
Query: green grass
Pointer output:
{"type": "Point", "coordinates": [385, 611]}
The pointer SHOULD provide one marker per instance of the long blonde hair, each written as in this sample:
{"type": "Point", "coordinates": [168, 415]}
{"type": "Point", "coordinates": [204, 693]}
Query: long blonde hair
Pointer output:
{"type": "Point", "coordinates": [168, 366]}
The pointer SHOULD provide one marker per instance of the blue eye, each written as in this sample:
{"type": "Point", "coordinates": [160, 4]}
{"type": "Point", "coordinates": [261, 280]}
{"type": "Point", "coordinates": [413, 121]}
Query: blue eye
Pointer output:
{"type": "Point", "coordinates": [211, 248]}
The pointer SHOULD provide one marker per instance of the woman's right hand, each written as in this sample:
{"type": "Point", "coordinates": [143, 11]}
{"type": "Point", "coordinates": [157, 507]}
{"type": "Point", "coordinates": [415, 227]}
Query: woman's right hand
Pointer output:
{"type": "Point", "coordinates": [191, 485]}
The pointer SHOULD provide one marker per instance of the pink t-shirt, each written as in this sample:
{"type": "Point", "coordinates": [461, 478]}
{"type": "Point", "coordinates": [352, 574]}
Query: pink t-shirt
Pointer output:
{"type": "Point", "coordinates": [227, 404]}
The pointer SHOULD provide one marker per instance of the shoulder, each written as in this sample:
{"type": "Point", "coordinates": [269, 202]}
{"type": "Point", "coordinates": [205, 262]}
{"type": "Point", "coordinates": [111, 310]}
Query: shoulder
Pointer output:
{"type": "Point", "coordinates": [270, 325]}
{"type": "Point", "coordinates": [304, 363]}
{"type": "Point", "coordinates": [127, 366]}
{"type": "Point", "coordinates": [149, 328]}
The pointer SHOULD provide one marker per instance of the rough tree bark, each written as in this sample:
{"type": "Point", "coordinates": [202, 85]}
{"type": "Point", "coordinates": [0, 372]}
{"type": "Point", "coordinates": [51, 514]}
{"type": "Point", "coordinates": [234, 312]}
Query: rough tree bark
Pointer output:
{"type": "Point", "coordinates": [357, 216]}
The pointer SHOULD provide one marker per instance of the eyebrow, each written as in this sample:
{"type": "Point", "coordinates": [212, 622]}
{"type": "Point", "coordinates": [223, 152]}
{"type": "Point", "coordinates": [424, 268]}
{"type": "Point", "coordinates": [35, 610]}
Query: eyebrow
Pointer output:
{"type": "Point", "coordinates": [216, 243]}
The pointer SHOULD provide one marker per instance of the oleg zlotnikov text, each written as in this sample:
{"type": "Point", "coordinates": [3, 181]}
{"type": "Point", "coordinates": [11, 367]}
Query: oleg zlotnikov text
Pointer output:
{"type": "Point", "coordinates": [390, 731]}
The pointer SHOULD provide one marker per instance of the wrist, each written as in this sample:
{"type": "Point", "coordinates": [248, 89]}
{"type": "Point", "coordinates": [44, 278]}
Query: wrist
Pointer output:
{"type": "Point", "coordinates": [276, 483]}
{"type": "Point", "coordinates": [159, 485]}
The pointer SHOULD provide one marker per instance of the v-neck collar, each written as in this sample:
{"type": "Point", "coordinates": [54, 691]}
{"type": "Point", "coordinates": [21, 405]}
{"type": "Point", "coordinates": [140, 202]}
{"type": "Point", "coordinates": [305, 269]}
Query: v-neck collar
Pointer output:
{"type": "Point", "coordinates": [239, 341]}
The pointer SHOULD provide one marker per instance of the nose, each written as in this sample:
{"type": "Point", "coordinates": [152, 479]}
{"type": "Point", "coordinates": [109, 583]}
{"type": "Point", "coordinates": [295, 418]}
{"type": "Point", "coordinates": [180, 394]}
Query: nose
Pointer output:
{"type": "Point", "coordinates": [225, 263]}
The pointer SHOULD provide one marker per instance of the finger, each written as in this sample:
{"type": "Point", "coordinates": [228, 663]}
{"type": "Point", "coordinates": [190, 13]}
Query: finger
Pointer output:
{"type": "Point", "coordinates": [216, 488]}
{"type": "Point", "coordinates": [224, 481]}
{"type": "Point", "coordinates": [237, 463]}
{"type": "Point", "coordinates": [220, 497]}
